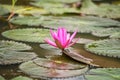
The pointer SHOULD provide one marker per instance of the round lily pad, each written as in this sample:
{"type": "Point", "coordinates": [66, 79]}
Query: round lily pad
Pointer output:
{"type": "Point", "coordinates": [58, 64]}
{"type": "Point", "coordinates": [30, 21]}
{"type": "Point", "coordinates": [3, 10]}
{"type": "Point", "coordinates": [13, 52]}
{"type": "Point", "coordinates": [1, 78]}
{"type": "Point", "coordinates": [107, 47]}
{"type": "Point", "coordinates": [36, 71]}
{"type": "Point", "coordinates": [83, 40]}
{"type": "Point", "coordinates": [103, 74]}
{"type": "Point", "coordinates": [51, 49]}
{"type": "Point", "coordinates": [28, 34]}
{"type": "Point", "coordinates": [106, 32]}
{"type": "Point", "coordinates": [21, 78]}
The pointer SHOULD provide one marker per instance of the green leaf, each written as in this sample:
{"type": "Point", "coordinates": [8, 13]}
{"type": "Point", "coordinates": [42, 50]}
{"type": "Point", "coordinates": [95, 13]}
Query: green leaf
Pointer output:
{"type": "Point", "coordinates": [1, 78]}
{"type": "Point", "coordinates": [26, 10]}
{"type": "Point", "coordinates": [21, 78]}
{"type": "Point", "coordinates": [28, 34]}
{"type": "Point", "coordinates": [34, 69]}
{"type": "Point", "coordinates": [13, 52]}
{"type": "Point", "coordinates": [3, 10]}
{"type": "Point", "coordinates": [103, 74]}
{"type": "Point", "coordinates": [106, 32]}
{"type": "Point", "coordinates": [107, 47]}
{"type": "Point", "coordinates": [82, 40]}
{"type": "Point", "coordinates": [115, 35]}
{"type": "Point", "coordinates": [103, 10]}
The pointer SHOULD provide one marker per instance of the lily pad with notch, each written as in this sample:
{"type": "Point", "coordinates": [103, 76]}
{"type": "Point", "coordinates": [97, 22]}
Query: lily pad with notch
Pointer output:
{"type": "Point", "coordinates": [34, 69]}
{"type": "Point", "coordinates": [13, 52]}
{"type": "Point", "coordinates": [103, 74]}
{"type": "Point", "coordinates": [107, 47]}
{"type": "Point", "coordinates": [27, 34]}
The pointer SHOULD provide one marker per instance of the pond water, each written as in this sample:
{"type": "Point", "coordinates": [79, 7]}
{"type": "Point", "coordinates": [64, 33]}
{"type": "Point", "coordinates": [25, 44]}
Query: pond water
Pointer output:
{"type": "Point", "coordinates": [12, 70]}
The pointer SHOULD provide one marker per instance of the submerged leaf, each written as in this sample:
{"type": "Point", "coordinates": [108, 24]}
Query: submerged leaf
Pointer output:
{"type": "Point", "coordinates": [13, 52]}
{"type": "Point", "coordinates": [103, 74]}
{"type": "Point", "coordinates": [107, 47]}
{"type": "Point", "coordinates": [28, 34]}
{"type": "Point", "coordinates": [21, 78]}
{"type": "Point", "coordinates": [103, 10]}
{"type": "Point", "coordinates": [36, 71]}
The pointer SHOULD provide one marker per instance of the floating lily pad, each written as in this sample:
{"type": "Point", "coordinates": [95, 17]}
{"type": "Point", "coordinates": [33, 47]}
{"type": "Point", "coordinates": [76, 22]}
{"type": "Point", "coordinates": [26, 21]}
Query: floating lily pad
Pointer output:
{"type": "Point", "coordinates": [102, 10]}
{"type": "Point", "coordinates": [28, 34]}
{"type": "Point", "coordinates": [82, 24]}
{"type": "Point", "coordinates": [51, 49]}
{"type": "Point", "coordinates": [13, 52]}
{"type": "Point", "coordinates": [36, 71]}
{"type": "Point", "coordinates": [21, 78]}
{"type": "Point", "coordinates": [106, 32]}
{"type": "Point", "coordinates": [1, 78]}
{"type": "Point", "coordinates": [58, 64]}
{"type": "Point", "coordinates": [103, 74]}
{"type": "Point", "coordinates": [26, 10]}
{"type": "Point", "coordinates": [83, 40]}
{"type": "Point", "coordinates": [56, 6]}
{"type": "Point", "coordinates": [3, 10]}
{"type": "Point", "coordinates": [30, 21]}
{"type": "Point", "coordinates": [56, 1]}
{"type": "Point", "coordinates": [115, 35]}
{"type": "Point", "coordinates": [108, 47]}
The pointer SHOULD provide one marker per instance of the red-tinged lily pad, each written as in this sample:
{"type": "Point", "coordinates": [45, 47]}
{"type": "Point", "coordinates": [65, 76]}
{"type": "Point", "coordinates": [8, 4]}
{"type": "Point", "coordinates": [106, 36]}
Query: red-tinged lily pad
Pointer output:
{"type": "Point", "coordinates": [36, 71]}
{"type": "Point", "coordinates": [58, 64]}
{"type": "Point", "coordinates": [76, 56]}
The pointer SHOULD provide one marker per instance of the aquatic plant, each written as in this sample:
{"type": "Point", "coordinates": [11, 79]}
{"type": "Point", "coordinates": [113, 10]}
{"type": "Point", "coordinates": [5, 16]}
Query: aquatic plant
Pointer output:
{"type": "Point", "coordinates": [62, 39]}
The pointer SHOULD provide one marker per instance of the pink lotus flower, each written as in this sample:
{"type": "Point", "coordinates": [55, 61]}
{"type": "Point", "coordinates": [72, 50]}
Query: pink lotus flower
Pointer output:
{"type": "Point", "coordinates": [62, 39]}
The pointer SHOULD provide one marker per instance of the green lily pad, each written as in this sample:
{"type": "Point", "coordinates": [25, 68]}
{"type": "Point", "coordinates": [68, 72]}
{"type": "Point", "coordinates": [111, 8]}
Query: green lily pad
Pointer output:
{"type": "Point", "coordinates": [28, 34]}
{"type": "Point", "coordinates": [82, 24]}
{"type": "Point", "coordinates": [33, 69]}
{"type": "Point", "coordinates": [56, 6]}
{"type": "Point", "coordinates": [103, 74]}
{"type": "Point", "coordinates": [82, 40]}
{"type": "Point", "coordinates": [21, 78]}
{"type": "Point", "coordinates": [103, 10]}
{"type": "Point", "coordinates": [115, 35]}
{"type": "Point", "coordinates": [30, 21]}
{"type": "Point", "coordinates": [56, 1]}
{"type": "Point", "coordinates": [106, 32]}
{"type": "Point", "coordinates": [58, 64]}
{"type": "Point", "coordinates": [13, 52]}
{"type": "Point", "coordinates": [1, 78]}
{"type": "Point", "coordinates": [26, 10]}
{"type": "Point", "coordinates": [3, 10]}
{"type": "Point", "coordinates": [50, 49]}
{"type": "Point", "coordinates": [107, 47]}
